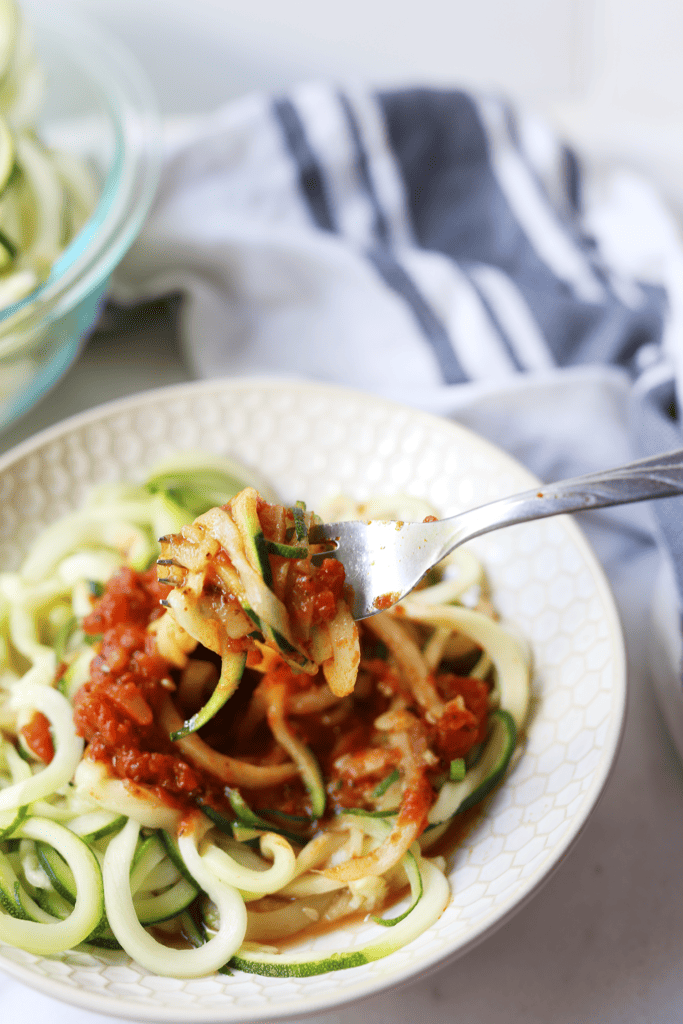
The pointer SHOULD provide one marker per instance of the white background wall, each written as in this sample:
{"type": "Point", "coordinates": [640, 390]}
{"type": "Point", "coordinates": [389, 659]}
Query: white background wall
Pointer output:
{"type": "Point", "coordinates": [609, 72]}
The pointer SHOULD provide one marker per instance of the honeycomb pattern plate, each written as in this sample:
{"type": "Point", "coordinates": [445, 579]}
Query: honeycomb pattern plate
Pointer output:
{"type": "Point", "coordinates": [313, 442]}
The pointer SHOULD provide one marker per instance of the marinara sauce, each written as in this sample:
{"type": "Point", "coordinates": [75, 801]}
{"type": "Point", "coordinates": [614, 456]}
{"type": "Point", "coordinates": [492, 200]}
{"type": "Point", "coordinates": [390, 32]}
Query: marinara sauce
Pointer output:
{"type": "Point", "coordinates": [115, 711]}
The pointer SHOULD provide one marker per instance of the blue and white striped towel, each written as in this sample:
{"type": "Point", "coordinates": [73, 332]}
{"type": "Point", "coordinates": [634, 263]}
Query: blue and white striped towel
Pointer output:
{"type": "Point", "coordinates": [434, 247]}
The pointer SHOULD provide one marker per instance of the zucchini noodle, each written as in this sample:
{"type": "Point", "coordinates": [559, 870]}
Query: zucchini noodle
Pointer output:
{"type": "Point", "coordinates": [22, 923]}
{"type": "Point", "coordinates": [275, 848]}
{"type": "Point", "coordinates": [69, 746]}
{"type": "Point", "coordinates": [202, 755]}
{"type": "Point", "coordinates": [143, 947]}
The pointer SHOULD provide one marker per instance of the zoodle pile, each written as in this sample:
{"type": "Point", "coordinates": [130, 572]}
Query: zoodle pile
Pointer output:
{"type": "Point", "coordinates": [46, 195]}
{"type": "Point", "coordinates": [203, 757]}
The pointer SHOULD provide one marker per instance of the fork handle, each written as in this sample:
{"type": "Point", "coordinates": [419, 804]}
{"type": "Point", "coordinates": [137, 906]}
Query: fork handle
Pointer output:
{"type": "Point", "coordinates": [660, 476]}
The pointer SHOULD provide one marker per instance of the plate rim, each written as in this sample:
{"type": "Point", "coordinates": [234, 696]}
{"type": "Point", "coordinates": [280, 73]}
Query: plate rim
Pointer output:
{"type": "Point", "coordinates": [120, 1006]}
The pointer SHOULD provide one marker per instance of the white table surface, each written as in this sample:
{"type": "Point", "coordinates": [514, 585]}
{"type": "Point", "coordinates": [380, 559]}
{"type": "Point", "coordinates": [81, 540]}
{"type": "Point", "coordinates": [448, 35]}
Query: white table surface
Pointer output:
{"type": "Point", "coordinates": [603, 940]}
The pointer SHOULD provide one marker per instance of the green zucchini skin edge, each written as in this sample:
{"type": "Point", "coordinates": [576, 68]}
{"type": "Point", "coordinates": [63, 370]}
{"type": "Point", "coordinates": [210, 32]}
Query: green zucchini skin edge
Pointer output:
{"type": "Point", "coordinates": [102, 942]}
{"type": "Point", "coordinates": [58, 871]}
{"type": "Point", "coordinates": [335, 962]}
{"type": "Point", "coordinates": [171, 846]}
{"type": "Point", "coordinates": [498, 770]}
{"type": "Point", "coordinates": [245, 816]}
{"type": "Point", "coordinates": [10, 901]}
{"type": "Point", "coordinates": [106, 830]}
{"type": "Point", "coordinates": [21, 815]}
{"type": "Point", "coordinates": [383, 786]}
{"type": "Point", "coordinates": [494, 777]}
{"type": "Point", "coordinates": [286, 550]}
{"type": "Point", "coordinates": [224, 690]}
{"type": "Point", "coordinates": [230, 827]}
{"type": "Point", "coordinates": [246, 518]}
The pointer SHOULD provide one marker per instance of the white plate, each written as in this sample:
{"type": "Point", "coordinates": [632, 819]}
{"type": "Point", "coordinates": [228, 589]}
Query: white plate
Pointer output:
{"type": "Point", "coordinates": [313, 441]}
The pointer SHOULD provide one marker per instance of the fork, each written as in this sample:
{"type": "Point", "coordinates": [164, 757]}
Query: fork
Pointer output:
{"type": "Point", "coordinates": [384, 560]}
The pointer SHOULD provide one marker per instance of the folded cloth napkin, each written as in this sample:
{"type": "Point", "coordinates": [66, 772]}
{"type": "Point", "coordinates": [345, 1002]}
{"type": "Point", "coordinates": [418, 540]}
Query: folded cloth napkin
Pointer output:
{"type": "Point", "coordinates": [439, 248]}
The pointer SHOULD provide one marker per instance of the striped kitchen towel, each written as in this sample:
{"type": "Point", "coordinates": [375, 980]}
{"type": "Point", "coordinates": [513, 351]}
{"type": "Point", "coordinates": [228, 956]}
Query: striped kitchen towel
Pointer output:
{"type": "Point", "coordinates": [433, 246]}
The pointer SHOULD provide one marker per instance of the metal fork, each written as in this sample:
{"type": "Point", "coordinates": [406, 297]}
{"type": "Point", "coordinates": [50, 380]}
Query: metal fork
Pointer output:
{"type": "Point", "coordinates": [385, 560]}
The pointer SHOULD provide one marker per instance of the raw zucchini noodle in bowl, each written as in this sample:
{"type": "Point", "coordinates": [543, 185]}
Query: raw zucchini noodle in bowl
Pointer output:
{"type": "Point", "coordinates": [78, 169]}
{"type": "Point", "coordinates": [208, 767]}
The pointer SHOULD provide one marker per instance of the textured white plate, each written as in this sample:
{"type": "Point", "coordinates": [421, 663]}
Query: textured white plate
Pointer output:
{"type": "Point", "coordinates": [314, 441]}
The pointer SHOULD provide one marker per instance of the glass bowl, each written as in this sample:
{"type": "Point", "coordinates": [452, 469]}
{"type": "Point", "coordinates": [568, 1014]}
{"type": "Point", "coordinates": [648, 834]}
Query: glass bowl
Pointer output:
{"type": "Point", "coordinates": [97, 105]}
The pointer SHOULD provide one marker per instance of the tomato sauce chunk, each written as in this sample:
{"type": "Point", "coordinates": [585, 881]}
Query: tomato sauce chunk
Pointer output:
{"type": "Point", "coordinates": [115, 710]}
{"type": "Point", "coordinates": [38, 738]}
{"type": "Point", "coordinates": [464, 720]}
{"type": "Point", "coordinates": [315, 591]}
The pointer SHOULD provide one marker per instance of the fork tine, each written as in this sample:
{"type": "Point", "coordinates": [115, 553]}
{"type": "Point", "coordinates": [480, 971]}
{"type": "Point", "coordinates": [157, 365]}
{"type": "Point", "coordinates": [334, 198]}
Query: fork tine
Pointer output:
{"type": "Point", "coordinates": [383, 560]}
